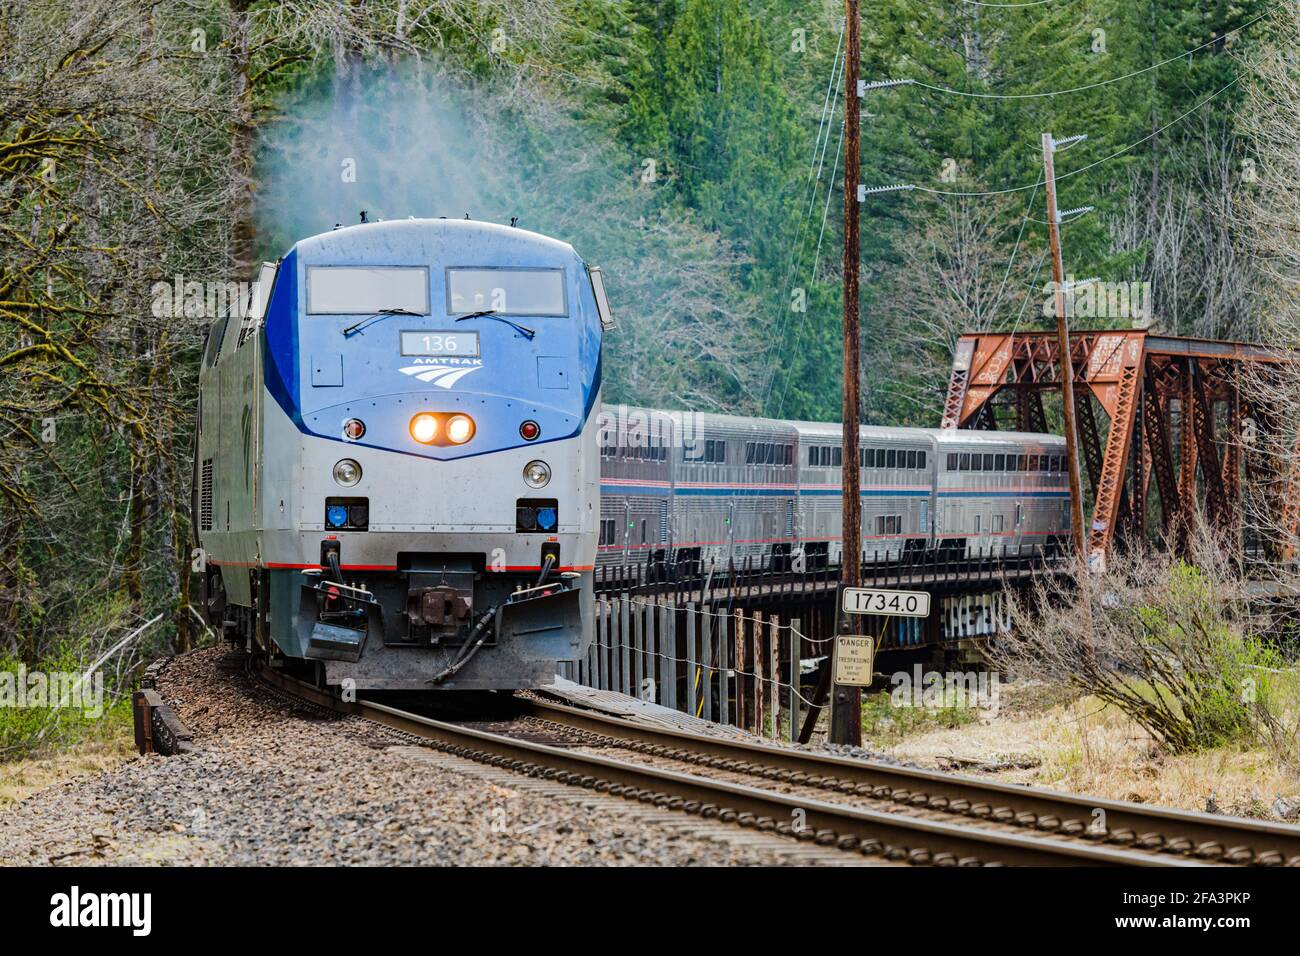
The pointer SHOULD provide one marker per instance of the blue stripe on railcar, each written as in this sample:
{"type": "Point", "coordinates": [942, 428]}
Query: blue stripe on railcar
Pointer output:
{"type": "Point", "coordinates": [740, 491]}
{"type": "Point", "coordinates": [1003, 494]}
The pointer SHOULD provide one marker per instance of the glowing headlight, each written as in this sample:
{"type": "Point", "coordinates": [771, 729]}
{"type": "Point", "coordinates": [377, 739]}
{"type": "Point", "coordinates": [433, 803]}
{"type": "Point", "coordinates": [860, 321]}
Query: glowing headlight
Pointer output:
{"type": "Point", "coordinates": [424, 428]}
{"type": "Point", "coordinates": [347, 472]}
{"type": "Point", "coordinates": [460, 429]}
{"type": "Point", "coordinates": [537, 474]}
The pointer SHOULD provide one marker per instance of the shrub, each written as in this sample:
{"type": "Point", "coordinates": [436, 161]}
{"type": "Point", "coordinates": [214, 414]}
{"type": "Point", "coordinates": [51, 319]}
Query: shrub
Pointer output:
{"type": "Point", "coordinates": [1176, 644]}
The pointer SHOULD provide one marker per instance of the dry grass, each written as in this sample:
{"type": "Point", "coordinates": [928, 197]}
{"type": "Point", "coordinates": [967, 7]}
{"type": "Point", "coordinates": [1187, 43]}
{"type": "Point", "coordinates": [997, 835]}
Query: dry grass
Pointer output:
{"type": "Point", "coordinates": [1084, 747]}
{"type": "Point", "coordinates": [103, 751]}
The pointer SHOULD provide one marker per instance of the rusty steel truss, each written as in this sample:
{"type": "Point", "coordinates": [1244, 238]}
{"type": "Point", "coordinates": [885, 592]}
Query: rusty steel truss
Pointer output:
{"type": "Point", "coordinates": [1183, 413]}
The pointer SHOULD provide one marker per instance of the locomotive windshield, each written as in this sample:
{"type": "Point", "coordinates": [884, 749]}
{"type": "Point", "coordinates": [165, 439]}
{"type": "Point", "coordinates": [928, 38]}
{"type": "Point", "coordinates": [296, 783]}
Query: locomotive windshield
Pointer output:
{"type": "Point", "coordinates": [349, 290]}
{"type": "Point", "coordinates": [507, 291]}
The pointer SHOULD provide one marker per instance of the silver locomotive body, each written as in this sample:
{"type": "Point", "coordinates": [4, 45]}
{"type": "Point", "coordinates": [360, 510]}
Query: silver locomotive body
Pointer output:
{"type": "Point", "coordinates": [397, 472]}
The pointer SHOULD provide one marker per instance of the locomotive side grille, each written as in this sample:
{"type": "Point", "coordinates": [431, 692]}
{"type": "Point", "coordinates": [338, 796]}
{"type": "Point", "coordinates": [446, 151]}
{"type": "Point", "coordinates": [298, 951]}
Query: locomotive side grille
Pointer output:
{"type": "Point", "coordinates": [205, 496]}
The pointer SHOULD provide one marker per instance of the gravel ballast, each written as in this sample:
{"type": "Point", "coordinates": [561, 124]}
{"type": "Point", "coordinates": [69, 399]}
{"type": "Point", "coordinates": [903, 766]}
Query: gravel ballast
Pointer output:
{"type": "Point", "coordinates": [272, 783]}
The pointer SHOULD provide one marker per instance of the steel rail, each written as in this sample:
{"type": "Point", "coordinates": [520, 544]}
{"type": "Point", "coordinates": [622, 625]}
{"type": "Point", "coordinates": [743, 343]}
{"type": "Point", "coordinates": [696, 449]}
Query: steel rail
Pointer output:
{"type": "Point", "coordinates": [870, 832]}
{"type": "Point", "coordinates": [1169, 831]}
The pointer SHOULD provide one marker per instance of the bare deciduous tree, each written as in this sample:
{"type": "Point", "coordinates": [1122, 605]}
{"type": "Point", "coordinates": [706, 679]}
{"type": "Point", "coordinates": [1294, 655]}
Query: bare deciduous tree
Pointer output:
{"type": "Point", "coordinates": [1176, 644]}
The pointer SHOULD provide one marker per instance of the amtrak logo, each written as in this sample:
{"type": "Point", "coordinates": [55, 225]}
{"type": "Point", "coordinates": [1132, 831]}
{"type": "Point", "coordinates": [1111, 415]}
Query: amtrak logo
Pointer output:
{"type": "Point", "coordinates": [443, 373]}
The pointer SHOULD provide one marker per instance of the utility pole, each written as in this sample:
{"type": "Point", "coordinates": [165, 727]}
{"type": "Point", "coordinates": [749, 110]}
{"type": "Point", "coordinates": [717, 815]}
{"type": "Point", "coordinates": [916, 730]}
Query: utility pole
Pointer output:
{"type": "Point", "coordinates": [1063, 344]}
{"type": "Point", "coordinates": [846, 701]}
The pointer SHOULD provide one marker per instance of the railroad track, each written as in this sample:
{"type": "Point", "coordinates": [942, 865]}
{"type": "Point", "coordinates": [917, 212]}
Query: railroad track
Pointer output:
{"type": "Point", "coordinates": [895, 834]}
{"type": "Point", "coordinates": [1156, 831]}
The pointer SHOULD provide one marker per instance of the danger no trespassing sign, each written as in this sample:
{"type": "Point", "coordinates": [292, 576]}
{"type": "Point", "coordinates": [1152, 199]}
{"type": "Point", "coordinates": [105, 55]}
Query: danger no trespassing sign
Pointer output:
{"type": "Point", "coordinates": [854, 659]}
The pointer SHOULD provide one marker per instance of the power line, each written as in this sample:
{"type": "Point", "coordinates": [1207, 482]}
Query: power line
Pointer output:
{"type": "Point", "coordinates": [997, 301]}
{"type": "Point", "coordinates": [1033, 284]}
{"type": "Point", "coordinates": [830, 191]}
{"type": "Point", "coordinates": [1084, 169]}
{"type": "Point", "coordinates": [1090, 86]}
{"type": "Point", "coordinates": [812, 276]}
{"type": "Point", "coordinates": [816, 165]}
{"type": "Point", "coordinates": [1030, 3]}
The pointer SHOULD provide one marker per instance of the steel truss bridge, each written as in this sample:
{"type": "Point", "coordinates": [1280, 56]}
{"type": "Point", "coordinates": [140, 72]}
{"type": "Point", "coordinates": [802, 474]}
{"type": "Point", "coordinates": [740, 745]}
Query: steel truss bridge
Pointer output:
{"type": "Point", "coordinates": [1192, 416]}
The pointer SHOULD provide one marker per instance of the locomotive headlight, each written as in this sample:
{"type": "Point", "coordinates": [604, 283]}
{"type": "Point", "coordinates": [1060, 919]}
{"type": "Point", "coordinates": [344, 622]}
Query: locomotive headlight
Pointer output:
{"type": "Point", "coordinates": [424, 428]}
{"type": "Point", "coordinates": [537, 474]}
{"type": "Point", "coordinates": [460, 429]}
{"type": "Point", "coordinates": [347, 472]}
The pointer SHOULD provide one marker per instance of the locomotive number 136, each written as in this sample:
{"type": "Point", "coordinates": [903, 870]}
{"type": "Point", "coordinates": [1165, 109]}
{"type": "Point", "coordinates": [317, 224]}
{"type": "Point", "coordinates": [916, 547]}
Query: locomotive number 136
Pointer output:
{"type": "Point", "coordinates": [440, 343]}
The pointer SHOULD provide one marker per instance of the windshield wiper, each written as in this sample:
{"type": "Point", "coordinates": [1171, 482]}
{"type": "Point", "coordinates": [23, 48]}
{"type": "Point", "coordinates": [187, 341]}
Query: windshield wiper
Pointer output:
{"type": "Point", "coordinates": [375, 317]}
{"type": "Point", "coordinates": [492, 314]}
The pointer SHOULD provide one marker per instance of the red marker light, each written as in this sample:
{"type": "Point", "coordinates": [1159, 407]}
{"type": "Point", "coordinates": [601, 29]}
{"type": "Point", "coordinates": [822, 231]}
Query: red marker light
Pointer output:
{"type": "Point", "coordinates": [530, 430]}
{"type": "Point", "coordinates": [353, 429]}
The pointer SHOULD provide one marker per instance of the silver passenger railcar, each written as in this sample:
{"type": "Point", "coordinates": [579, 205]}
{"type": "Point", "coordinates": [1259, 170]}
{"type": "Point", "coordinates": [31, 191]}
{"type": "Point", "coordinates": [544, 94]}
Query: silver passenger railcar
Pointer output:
{"type": "Point", "coordinates": [699, 490]}
{"type": "Point", "coordinates": [1001, 489]}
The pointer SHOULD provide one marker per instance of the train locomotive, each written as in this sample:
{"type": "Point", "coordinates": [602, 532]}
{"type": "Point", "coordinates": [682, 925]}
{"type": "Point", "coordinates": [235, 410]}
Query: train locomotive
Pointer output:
{"type": "Point", "coordinates": [404, 479]}
{"type": "Point", "coordinates": [396, 474]}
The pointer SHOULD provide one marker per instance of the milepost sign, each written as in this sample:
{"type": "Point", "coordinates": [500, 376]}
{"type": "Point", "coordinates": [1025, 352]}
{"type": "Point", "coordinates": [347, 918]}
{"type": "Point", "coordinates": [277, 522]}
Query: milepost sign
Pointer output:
{"type": "Point", "coordinates": [886, 603]}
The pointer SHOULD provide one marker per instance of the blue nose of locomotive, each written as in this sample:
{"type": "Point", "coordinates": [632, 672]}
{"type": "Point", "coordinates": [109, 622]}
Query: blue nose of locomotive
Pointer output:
{"type": "Point", "coordinates": [443, 339]}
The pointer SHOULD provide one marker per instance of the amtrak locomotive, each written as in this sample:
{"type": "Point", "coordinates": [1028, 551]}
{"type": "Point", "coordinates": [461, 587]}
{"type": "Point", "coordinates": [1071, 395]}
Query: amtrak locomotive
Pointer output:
{"type": "Point", "coordinates": [396, 472]}
{"type": "Point", "coordinates": [403, 481]}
